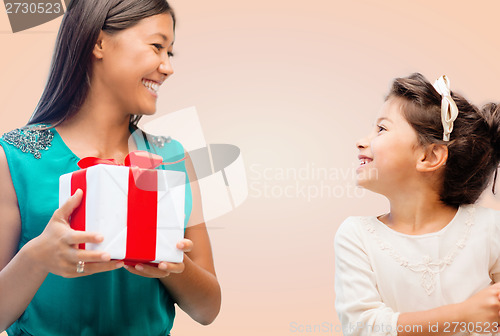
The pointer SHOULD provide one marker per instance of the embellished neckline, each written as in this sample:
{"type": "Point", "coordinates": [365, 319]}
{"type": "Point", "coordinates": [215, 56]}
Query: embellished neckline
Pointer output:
{"type": "Point", "coordinates": [424, 235]}
{"type": "Point", "coordinates": [427, 267]}
{"type": "Point", "coordinates": [63, 144]}
{"type": "Point", "coordinates": [36, 138]}
{"type": "Point", "coordinates": [158, 141]}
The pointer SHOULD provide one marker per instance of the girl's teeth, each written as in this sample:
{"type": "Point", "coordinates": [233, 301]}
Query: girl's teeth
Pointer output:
{"type": "Point", "coordinates": [364, 161]}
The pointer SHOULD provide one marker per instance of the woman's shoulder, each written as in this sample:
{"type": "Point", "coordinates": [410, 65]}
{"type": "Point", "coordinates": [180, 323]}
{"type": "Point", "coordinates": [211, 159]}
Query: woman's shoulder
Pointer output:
{"type": "Point", "coordinates": [157, 142]}
{"type": "Point", "coordinates": [169, 149]}
{"type": "Point", "coordinates": [30, 139]}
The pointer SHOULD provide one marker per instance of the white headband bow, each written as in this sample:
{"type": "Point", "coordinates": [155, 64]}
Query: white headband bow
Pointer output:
{"type": "Point", "coordinates": [449, 110]}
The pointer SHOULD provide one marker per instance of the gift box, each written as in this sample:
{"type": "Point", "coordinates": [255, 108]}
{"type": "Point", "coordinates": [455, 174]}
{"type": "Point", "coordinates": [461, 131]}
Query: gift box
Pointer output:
{"type": "Point", "coordinates": [137, 209]}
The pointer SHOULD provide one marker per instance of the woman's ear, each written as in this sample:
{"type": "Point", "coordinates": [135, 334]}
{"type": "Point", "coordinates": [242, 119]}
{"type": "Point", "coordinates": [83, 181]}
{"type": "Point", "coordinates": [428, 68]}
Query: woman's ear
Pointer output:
{"type": "Point", "coordinates": [432, 158]}
{"type": "Point", "coordinates": [98, 51]}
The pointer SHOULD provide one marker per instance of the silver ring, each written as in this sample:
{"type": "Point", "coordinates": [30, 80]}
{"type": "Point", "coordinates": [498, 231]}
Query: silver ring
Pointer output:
{"type": "Point", "coordinates": [80, 267]}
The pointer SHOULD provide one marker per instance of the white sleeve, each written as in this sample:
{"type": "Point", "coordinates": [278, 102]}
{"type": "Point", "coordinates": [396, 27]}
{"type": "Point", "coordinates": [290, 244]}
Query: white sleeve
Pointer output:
{"type": "Point", "coordinates": [494, 241]}
{"type": "Point", "coordinates": [357, 300]}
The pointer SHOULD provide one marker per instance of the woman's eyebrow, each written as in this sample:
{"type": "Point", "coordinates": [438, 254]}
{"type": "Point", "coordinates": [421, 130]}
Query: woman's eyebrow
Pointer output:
{"type": "Point", "coordinates": [163, 36]}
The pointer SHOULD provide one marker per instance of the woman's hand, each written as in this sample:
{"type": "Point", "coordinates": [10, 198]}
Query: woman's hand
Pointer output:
{"type": "Point", "coordinates": [164, 268]}
{"type": "Point", "coordinates": [56, 249]}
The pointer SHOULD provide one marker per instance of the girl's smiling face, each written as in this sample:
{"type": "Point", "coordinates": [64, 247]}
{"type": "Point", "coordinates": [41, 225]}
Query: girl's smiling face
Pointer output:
{"type": "Point", "coordinates": [130, 66]}
{"type": "Point", "coordinates": [389, 154]}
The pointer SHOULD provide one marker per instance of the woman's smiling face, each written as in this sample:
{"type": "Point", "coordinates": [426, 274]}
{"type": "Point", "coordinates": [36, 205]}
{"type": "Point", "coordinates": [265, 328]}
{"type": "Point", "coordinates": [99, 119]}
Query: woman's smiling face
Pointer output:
{"type": "Point", "coordinates": [131, 65]}
{"type": "Point", "coordinates": [388, 155]}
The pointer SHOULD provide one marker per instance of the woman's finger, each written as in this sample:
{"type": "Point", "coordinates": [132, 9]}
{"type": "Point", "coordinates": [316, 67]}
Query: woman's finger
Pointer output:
{"type": "Point", "coordinates": [147, 271]}
{"type": "Point", "coordinates": [69, 206]}
{"type": "Point", "coordinates": [89, 256]}
{"type": "Point", "coordinates": [74, 237]}
{"type": "Point", "coordinates": [89, 268]}
{"type": "Point", "coordinates": [78, 269]}
{"type": "Point", "coordinates": [185, 245]}
{"type": "Point", "coordinates": [172, 267]}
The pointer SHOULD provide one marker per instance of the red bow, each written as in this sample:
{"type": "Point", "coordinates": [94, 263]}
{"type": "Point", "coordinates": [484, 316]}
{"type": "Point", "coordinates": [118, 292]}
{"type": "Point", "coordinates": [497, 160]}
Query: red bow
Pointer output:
{"type": "Point", "coordinates": [141, 159]}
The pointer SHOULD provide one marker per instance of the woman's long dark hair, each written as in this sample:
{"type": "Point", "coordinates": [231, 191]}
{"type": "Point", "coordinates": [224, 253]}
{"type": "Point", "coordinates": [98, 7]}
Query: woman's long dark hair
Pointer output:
{"type": "Point", "coordinates": [69, 77]}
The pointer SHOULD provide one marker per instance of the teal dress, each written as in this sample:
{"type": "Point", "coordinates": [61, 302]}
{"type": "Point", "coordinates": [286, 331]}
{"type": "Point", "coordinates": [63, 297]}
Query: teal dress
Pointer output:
{"type": "Point", "coordinates": [109, 303]}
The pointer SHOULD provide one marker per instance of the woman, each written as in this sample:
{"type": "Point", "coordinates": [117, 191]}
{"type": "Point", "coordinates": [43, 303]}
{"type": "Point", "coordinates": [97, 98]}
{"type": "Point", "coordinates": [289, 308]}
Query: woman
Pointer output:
{"type": "Point", "coordinates": [110, 59]}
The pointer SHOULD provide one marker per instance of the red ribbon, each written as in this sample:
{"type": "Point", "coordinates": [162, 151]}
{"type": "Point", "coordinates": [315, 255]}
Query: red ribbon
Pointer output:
{"type": "Point", "coordinates": [142, 159]}
{"type": "Point", "coordinates": [142, 201]}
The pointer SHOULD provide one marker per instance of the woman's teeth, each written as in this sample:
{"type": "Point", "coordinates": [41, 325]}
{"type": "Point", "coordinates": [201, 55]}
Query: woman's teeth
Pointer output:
{"type": "Point", "coordinates": [151, 85]}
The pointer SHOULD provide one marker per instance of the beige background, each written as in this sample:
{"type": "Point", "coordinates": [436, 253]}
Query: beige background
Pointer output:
{"type": "Point", "coordinates": [293, 84]}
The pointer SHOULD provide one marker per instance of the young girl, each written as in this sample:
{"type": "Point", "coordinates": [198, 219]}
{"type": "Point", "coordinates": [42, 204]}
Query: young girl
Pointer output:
{"type": "Point", "coordinates": [110, 59]}
{"type": "Point", "coordinates": [428, 266]}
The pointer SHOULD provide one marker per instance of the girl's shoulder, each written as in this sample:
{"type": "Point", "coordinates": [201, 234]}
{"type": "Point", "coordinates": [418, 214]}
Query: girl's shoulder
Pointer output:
{"type": "Point", "coordinates": [487, 216]}
{"type": "Point", "coordinates": [355, 228]}
{"type": "Point", "coordinates": [356, 222]}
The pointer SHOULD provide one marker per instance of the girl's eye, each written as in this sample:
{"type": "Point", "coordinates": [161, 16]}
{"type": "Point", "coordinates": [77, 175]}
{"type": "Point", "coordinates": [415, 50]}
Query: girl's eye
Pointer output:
{"type": "Point", "coordinates": [381, 128]}
{"type": "Point", "coordinates": [170, 54]}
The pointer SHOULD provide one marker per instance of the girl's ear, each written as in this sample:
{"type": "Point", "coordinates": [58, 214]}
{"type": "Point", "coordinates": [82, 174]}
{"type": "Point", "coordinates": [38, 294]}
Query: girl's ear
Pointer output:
{"type": "Point", "coordinates": [432, 158]}
{"type": "Point", "coordinates": [98, 51]}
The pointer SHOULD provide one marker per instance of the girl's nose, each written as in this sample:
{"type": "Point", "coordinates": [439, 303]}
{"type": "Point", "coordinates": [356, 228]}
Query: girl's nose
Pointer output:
{"type": "Point", "coordinates": [362, 143]}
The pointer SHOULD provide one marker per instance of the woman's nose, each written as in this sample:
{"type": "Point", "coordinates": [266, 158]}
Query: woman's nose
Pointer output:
{"type": "Point", "coordinates": [166, 67]}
